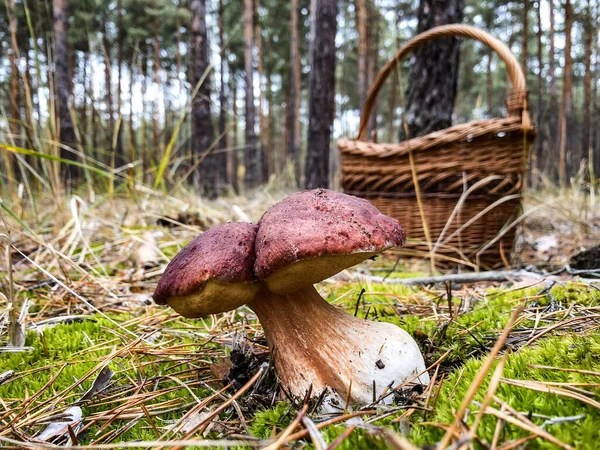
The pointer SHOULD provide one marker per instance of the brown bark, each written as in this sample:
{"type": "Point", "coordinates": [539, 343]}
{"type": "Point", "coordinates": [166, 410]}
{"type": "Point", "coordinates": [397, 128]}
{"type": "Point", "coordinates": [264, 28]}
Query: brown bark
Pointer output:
{"type": "Point", "coordinates": [374, 19]}
{"type": "Point", "coordinates": [524, 35]}
{"type": "Point", "coordinates": [143, 71]}
{"type": "Point", "coordinates": [223, 144]}
{"type": "Point", "coordinates": [234, 159]}
{"type": "Point", "coordinates": [156, 146]}
{"type": "Point", "coordinates": [251, 154]}
{"type": "Point", "coordinates": [119, 156]}
{"type": "Point", "coordinates": [293, 109]}
{"type": "Point", "coordinates": [108, 96]}
{"type": "Point", "coordinates": [435, 64]}
{"type": "Point", "coordinates": [361, 25]}
{"type": "Point", "coordinates": [553, 125]}
{"type": "Point", "coordinates": [587, 84]}
{"type": "Point", "coordinates": [207, 175]}
{"type": "Point", "coordinates": [264, 151]}
{"type": "Point", "coordinates": [321, 105]}
{"type": "Point", "coordinates": [566, 101]}
{"type": "Point", "coordinates": [13, 56]}
{"type": "Point", "coordinates": [392, 109]}
{"type": "Point", "coordinates": [15, 91]}
{"type": "Point", "coordinates": [595, 163]}
{"type": "Point", "coordinates": [66, 131]}
{"type": "Point", "coordinates": [540, 92]}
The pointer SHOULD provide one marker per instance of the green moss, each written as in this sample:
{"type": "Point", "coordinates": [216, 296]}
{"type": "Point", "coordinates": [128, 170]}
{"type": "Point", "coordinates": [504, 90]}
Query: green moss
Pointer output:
{"type": "Point", "coordinates": [571, 351]}
{"type": "Point", "coordinates": [77, 348]}
{"type": "Point", "coordinates": [82, 345]}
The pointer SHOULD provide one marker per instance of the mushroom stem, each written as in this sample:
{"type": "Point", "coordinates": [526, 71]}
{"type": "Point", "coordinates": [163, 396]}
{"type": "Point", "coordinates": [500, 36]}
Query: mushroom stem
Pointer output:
{"type": "Point", "coordinates": [316, 343]}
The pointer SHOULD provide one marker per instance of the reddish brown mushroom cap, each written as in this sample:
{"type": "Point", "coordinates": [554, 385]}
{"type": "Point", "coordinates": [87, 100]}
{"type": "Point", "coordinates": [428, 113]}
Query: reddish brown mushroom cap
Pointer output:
{"type": "Point", "coordinates": [312, 235]}
{"type": "Point", "coordinates": [213, 273]}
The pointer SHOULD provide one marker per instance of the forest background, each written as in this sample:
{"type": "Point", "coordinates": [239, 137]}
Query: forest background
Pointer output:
{"type": "Point", "coordinates": [222, 95]}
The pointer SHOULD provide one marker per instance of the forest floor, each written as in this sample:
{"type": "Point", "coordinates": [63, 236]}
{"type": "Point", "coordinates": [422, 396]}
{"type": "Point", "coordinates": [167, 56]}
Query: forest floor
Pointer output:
{"type": "Point", "coordinates": [101, 366]}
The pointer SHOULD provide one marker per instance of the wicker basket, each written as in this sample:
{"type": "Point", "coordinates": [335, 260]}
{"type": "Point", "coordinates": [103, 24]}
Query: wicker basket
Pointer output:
{"type": "Point", "coordinates": [457, 191]}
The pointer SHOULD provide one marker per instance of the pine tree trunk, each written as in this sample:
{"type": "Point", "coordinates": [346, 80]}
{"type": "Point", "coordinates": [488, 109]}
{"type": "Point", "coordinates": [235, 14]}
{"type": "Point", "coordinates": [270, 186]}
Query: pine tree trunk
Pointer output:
{"type": "Point", "coordinates": [540, 92]}
{"type": "Point", "coordinates": [61, 68]}
{"type": "Point", "coordinates": [207, 174]}
{"type": "Point", "coordinates": [553, 123]}
{"type": "Point", "coordinates": [293, 109]}
{"type": "Point", "coordinates": [321, 105]}
{"type": "Point", "coordinates": [264, 151]}
{"type": "Point", "coordinates": [15, 93]}
{"type": "Point", "coordinates": [391, 115]}
{"type": "Point", "coordinates": [595, 114]}
{"type": "Point", "coordinates": [251, 154]}
{"type": "Point", "coordinates": [143, 70]}
{"type": "Point", "coordinates": [132, 139]}
{"type": "Point", "coordinates": [566, 101]}
{"type": "Point", "coordinates": [587, 84]}
{"type": "Point", "coordinates": [119, 155]}
{"type": "Point", "coordinates": [156, 147]}
{"type": "Point", "coordinates": [372, 63]}
{"type": "Point", "coordinates": [361, 26]}
{"type": "Point", "coordinates": [108, 95]}
{"type": "Point", "coordinates": [434, 73]}
{"type": "Point", "coordinates": [524, 35]}
{"type": "Point", "coordinates": [233, 171]}
{"type": "Point", "coordinates": [223, 143]}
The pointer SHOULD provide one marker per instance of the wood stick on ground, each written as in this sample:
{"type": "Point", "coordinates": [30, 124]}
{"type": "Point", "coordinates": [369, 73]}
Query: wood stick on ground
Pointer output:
{"type": "Point", "coordinates": [459, 278]}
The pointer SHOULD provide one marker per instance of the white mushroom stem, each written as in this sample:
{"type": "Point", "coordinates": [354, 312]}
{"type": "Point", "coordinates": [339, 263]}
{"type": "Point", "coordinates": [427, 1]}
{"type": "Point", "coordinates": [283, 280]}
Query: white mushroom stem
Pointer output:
{"type": "Point", "coordinates": [315, 343]}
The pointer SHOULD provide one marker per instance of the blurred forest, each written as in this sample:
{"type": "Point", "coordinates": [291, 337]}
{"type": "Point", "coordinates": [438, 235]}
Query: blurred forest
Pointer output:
{"type": "Point", "coordinates": [221, 95]}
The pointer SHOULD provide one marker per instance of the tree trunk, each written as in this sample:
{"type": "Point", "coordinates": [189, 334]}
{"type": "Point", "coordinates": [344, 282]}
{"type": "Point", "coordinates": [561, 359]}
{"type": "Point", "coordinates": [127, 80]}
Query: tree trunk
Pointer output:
{"type": "Point", "coordinates": [234, 160]}
{"type": "Point", "coordinates": [156, 147]}
{"type": "Point", "coordinates": [293, 110]}
{"type": "Point", "coordinates": [108, 94]}
{"type": "Point", "coordinates": [132, 140]}
{"type": "Point", "coordinates": [15, 93]}
{"type": "Point", "coordinates": [391, 115]}
{"type": "Point", "coordinates": [118, 147]}
{"type": "Point", "coordinates": [595, 116]}
{"type": "Point", "coordinates": [565, 105]}
{"type": "Point", "coordinates": [66, 132]}
{"type": "Point", "coordinates": [361, 26]}
{"type": "Point", "coordinates": [321, 105]}
{"type": "Point", "coordinates": [251, 154]}
{"type": "Point", "coordinates": [566, 101]}
{"type": "Point", "coordinates": [143, 71]}
{"type": "Point", "coordinates": [373, 34]}
{"type": "Point", "coordinates": [264, 151]}
{"type": "Point", "coordinates": [434, 73]}
{"type": "Point", "coordinates": [587, 84]}
{"type": "Point", "coordinates": [524, 35]}
{"type": "Point", "coordinates": [540, 94]}
{"type": "Point", "coordinates": [207, 174]}
{"type": "Point", "coordinates": [223, 143]}
{"type": "Point", "coordinates": [553, 125]}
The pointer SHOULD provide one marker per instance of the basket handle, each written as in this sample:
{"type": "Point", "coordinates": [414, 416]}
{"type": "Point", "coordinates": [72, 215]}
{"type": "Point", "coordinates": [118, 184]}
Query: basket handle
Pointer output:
{"type": "Point", "coordinates": [517, 102]}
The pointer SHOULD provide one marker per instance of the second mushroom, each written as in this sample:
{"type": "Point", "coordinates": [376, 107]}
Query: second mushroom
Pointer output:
{"type": "Point", "coordinates": [273, 266]}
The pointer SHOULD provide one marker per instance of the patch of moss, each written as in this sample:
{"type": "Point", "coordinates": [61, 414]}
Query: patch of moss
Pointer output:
{"type": "Point", "coordinates": [579, 352]}
{"type": "Point", "coordinates": [77, 348]}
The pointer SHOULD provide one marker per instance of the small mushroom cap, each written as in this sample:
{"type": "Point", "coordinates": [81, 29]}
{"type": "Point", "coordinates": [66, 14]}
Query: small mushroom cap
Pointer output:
{"type": "Point", "coordinates": [211, 274]}
{"type": "Point", "coordinates": [312, 235]}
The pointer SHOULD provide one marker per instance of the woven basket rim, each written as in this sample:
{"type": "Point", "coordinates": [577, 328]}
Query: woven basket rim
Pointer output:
{"type": "Point", "coordinates": [464, 132]}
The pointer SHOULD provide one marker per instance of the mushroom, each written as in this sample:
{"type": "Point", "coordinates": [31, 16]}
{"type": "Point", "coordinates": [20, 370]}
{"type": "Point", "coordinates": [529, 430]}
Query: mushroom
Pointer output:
{"type": "Point", "coordinates": [300, 241]}
{"type": "Point", "coordinates": [212, 274]}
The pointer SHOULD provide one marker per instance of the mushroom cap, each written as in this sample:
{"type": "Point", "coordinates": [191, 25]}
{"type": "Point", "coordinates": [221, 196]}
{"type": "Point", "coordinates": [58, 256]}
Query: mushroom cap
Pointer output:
{"type": "Point", "coordinates": [312, 235]}
{"type": "Point", "coordinates": [212, 274]}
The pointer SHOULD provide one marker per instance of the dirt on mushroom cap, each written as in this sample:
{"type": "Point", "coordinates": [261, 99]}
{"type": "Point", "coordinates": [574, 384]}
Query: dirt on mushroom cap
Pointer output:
{"type": "Point", "coordinates": [318, 222]}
